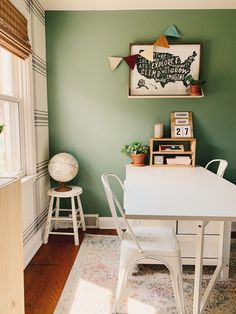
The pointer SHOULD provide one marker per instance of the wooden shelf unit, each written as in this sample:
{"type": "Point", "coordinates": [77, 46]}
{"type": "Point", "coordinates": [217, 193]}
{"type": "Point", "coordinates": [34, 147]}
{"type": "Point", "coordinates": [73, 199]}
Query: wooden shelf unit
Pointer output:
{"type": "Point", "coordinates": [189, 150]}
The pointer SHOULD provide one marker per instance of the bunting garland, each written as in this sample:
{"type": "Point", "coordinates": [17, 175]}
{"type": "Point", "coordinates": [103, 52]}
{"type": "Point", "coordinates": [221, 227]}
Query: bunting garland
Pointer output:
{"type": "Point", "coordinates": [172, 31]}
{"type": "Point", "coordinates": [148, 52]}
{"type": "Point", "coordinates": [114, 62]}
{"type": "Point", "coordinates": [131, 60]}
{"type": "Point", "coordinates": [162, 42]}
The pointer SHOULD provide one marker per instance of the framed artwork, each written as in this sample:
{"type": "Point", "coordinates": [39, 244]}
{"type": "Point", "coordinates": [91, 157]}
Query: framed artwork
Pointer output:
{"type": "Point", "coordinates": [166, 73]}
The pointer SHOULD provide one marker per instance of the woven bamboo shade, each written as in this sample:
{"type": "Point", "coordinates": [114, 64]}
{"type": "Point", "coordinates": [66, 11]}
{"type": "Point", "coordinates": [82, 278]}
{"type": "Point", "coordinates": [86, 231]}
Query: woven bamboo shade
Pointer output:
{"type": "Point", "coordinates": [13, 30]}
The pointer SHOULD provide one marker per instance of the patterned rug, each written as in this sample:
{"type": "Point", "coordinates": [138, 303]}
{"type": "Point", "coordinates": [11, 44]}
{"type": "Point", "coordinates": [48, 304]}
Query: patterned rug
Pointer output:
{"type": "Point", "coordinates": [92, 281]}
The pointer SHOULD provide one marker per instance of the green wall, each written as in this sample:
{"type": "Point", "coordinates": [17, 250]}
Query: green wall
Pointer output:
{"type": "Point", "coordinates": [90, 115]}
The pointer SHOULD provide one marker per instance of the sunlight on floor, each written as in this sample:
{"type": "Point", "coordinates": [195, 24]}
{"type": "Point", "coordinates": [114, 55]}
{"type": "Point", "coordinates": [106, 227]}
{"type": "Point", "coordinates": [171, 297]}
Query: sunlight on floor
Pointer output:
{"type": "Point", "coordinates": [136, 307]}
{"type": "Point", "coordinates": [91, 298]}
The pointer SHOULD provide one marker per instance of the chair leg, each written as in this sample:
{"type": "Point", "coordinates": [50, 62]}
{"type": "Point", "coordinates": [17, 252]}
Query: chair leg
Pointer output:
{"type": "Point", "coordinates": [75, 225]}
{"type": "Point", "coordinates": [81, 213]}
{"type": "Point", "coordinates": [48, 223]}
{"type": "Point", "coordinates": [179, 296]}
{"type": "Point", "coordinates": [177, 280]}
{"type": "Point", "coordinates": [122, 279]}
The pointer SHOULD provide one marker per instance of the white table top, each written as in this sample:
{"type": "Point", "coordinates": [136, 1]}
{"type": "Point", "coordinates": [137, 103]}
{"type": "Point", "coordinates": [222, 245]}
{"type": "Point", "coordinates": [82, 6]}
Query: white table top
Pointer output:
{"type": "Point", "coordinates": [178, 193]}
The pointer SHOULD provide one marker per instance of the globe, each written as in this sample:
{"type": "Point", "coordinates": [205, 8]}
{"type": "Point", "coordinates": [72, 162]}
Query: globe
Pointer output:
{"type": "Point", "coordinates": [63, 167]}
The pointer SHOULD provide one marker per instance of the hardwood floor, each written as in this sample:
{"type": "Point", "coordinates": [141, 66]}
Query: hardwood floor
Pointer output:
{"type": "Point", "coordinates": [47, 272]}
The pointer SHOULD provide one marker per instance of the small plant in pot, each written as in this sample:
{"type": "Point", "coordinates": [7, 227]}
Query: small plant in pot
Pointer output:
{"type": "Point", "coordinates": [195, 85]}
{"type": "Point", "coordinates": [137, 151]}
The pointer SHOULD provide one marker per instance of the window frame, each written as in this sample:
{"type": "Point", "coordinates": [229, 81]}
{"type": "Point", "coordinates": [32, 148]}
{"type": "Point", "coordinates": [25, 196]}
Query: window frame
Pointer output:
{"type": "Point", "coordinates": [26, 107]}
{"type": "Point", "coordinates": [17, 101]}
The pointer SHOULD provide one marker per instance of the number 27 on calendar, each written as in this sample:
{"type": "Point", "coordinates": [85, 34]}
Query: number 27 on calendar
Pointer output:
{"type": "Point", "coordinates": [182, 131]}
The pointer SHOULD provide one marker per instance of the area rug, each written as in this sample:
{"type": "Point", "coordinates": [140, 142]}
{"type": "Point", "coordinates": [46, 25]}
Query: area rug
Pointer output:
{"type": "Point", "coordinates": [92, 282]}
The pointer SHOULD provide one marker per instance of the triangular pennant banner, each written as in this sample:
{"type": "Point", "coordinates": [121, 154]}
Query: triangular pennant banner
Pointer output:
{"type": "Point", "coordinates": [172, 31]}
{"type": "Point", "coordinates": [131, 61]}
{"type": "Point", "coordinates": [148, 53]}
{"type": "Point", "coordinates": [114, 62]}
{"type": "Point", "coordinates": [162, 42]}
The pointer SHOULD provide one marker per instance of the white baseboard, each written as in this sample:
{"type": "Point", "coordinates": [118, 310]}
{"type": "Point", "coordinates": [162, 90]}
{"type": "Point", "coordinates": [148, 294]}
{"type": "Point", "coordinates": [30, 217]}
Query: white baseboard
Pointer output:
{"type": "Point", "coordinates": [31, 248]}
{"type": "Point", "coordinates": [103, 223]}
{"type": "Point", "coordinates": [107, 223]}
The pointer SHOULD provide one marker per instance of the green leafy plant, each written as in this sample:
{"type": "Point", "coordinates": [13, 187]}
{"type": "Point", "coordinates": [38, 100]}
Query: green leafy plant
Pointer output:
{"type": "Point", "coordinates": [189, 80]}
{"type": "Point", "coordinates": [2, 127]}
{"type": "Point", "coordinates": [135, 148]}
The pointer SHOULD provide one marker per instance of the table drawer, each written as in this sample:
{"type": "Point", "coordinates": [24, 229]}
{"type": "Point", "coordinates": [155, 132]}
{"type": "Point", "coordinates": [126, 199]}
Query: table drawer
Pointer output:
{"type": "Point", "coordinates": [190, 227]}
{"type": "Point", "coordinates": [188, 246]}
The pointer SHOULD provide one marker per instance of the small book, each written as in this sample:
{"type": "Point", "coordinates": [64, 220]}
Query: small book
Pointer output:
{"type": "Point", "coordinates": [173, 148]}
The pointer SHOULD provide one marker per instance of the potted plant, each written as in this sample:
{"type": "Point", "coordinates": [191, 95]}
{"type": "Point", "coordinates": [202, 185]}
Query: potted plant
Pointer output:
{"type": "Point", "coordinates": [195, 85]}
{"type": "Point", "coordinates": [137, 151]}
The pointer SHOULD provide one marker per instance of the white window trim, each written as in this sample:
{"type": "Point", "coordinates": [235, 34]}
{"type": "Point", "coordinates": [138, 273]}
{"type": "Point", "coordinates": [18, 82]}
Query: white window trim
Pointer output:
{"type": "Point", "coordinates": [28, 119]}
{"type": "Point", "coordinates": [18, 101]}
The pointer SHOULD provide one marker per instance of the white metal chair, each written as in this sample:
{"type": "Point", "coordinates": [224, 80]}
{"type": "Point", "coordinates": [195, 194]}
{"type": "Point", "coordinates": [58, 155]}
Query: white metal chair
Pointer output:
{"type": "Point", "coordinates": [221, 168]}
{"type": "Point", "coordinates": [144, 245]}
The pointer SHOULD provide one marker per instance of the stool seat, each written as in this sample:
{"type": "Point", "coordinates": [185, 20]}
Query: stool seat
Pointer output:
{"type": "Point", "coordinates": [75, 215]}
{"type": "Point", "coordinates": [76, 190]}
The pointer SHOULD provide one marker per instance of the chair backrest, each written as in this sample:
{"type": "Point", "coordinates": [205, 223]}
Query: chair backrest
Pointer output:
{"type": "Point", "coordinates": [115, 206]}
{"type": "Point", "coordinates": [221, 168]}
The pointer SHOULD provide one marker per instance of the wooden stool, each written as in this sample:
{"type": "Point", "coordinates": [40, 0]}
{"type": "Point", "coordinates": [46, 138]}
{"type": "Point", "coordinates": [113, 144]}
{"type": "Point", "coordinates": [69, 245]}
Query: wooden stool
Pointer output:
{"type": "Point", "coordinates": [74, 193]}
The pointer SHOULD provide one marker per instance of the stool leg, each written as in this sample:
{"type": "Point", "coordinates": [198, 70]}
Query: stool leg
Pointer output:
{"type": "Point", "coordinates": [57, 212]}
{"type": "Point", "coordinates": [75, 225]}
{"type": "Point", "coordinates": [48, 223]}
{"type": "Point", "coordinates": [81, 213]}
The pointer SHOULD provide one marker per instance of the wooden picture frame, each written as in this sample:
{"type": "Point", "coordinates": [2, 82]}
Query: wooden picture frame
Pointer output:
{"type": "Point", "coordinates": [166, 73]}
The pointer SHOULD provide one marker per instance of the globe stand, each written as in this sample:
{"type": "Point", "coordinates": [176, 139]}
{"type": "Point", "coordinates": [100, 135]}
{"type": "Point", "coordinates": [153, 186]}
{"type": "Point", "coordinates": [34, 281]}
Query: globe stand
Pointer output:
{"type": "Point", "coordinates": [63, 188]}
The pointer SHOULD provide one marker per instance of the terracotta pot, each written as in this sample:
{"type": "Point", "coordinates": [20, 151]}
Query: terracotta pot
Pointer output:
{"type": "Point", "coordinates": [138, 159]}
{"type": "Point", "coordinates": [195, 90]}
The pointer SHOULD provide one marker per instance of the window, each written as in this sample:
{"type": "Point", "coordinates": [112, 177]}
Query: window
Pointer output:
{"type": "Point", "coordinates": [12, 155]}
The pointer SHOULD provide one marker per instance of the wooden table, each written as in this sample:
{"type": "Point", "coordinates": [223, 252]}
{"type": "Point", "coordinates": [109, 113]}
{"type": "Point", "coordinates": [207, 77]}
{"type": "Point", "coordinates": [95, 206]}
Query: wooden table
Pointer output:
{"type": "Point", "coordinates": [187, 194]}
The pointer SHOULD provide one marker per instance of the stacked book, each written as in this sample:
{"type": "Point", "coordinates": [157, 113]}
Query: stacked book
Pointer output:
{"type": "Point", "coordinates": [179, 160]}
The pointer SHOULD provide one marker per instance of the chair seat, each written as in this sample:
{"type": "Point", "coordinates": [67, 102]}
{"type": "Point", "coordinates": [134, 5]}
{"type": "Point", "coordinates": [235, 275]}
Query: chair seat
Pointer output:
{"type": "Point", "coordinates": [153, 240]}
